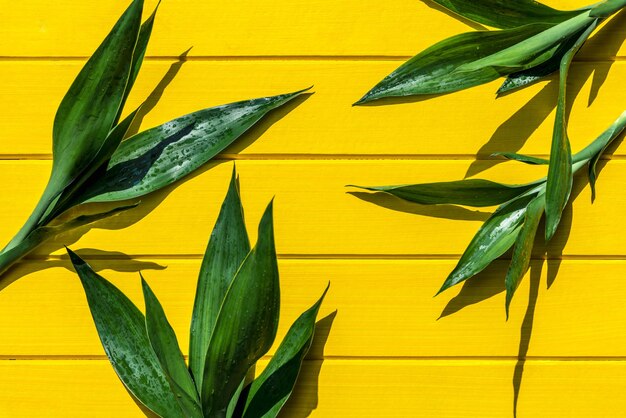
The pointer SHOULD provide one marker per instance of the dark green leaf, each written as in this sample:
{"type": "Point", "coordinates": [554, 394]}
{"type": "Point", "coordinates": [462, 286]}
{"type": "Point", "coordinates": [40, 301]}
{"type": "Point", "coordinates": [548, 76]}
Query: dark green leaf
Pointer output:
{"type": "Point", "coordinates": [138, 54]}
{"type": "Point", "coordinates": [492, 240]}
{"type": "Point", "coordinates": [506, 14]}
{"type": "Point", "coordinates": [122, 331]}
{"type": "Point", "coordinates": [159, 156]}
{"type": "Point", "coordinates": [521, 158]}
{"type": "Point", "coordinates": [163, 341]}
{"type": "Point", "coordinates": [523, 248]}
{"type": "Point", "coordinates": [90, 108]}
{"type": "Point", "coordinates": [227, 248]}
{"type": "Point", "coordinates": [473, 192]}
{"type": "Point", "coordinates": [246, 324]}
{"type": "Point", "coordinates": [560, 175]}
{"type": "Point", "coordinates": [269, 392]}
{"type": "Point", "coordinates": [434, 71]}
{"type": "Point", "coordinates": [531, 75]}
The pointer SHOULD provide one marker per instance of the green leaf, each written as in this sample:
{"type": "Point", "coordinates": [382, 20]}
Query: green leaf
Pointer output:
{"type": "Point", "coordinates": [91, 106]}
{"type": "Point", "coordinates": [607, 8]}
{"type": "Point", "coordinates": [493, 239]}
{"type": "Point", "coordinates": [506, 14]}
{"type": "Point", "coordinates": [246, 324]}
{"type": "Point", "coordinates": [436, 70]}
{"type": "Point", "coordinates": [228, 247]}
{"type": "Point", "coordinates": [472, 192]}
{"type": "Point", "coordinates": [521, 158]}
{"type": "Point", "coordinates": [560, 174]}
{"type": "Point", "coordinates": [526, 77]}
{"type": "Point", "coordinates": [523, 248]}
{"type": "Point", "coordinates": [159, 156]}
{"type": "Point", "coordinates": [138, 55]}
{"type": "Point", "coordinates": [122, 331]}
{"type": "Point", "coordinates": [163, 341]}
{"type": "Point", "coordinates": [269, 392]}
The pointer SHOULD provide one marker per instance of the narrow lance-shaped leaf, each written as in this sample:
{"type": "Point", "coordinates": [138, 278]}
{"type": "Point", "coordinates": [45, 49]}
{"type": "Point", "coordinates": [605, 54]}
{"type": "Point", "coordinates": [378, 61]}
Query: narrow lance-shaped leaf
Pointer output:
{"type": "Point", "coordinates": [521, 158]}
{"type": "Point", "coordinates": [122, 331]}
{"type": "Point", "coordinates": [434, 71]}
{"type": "Point", "coordinates": [155, 158]}
{"type": "Point", "coordinates": [506, 13]}
{"type": "Point", "coordinates": [269, 392]}
{"type": "Point", "coordinates": [145, 31]}
{"type": "Point", "coordinates": [165, 345]}
{"type": "Point", "coordinates": [88, 111]}
{"type": "Point", "coordinates": [227, 248]}
{"type": "Point", "coordinates": [246, 324]}
{"type": "Point", "coordinates": [472, 192]}
{"type": "Point", "coordinates": [523, 248]}
{"type": "Point", "coordinates": [560, 175]}
{"type": "Point", "coordinates": [493, 239]}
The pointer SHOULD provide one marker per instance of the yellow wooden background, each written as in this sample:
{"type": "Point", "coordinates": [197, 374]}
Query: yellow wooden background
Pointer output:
{"type": "Point", "coordinates": [392, 349]}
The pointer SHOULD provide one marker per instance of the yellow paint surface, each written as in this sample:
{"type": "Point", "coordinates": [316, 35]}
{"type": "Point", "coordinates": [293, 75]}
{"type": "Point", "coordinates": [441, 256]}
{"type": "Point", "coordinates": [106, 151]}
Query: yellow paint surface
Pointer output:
{"type": "Point", "coordinates": [391, 349]}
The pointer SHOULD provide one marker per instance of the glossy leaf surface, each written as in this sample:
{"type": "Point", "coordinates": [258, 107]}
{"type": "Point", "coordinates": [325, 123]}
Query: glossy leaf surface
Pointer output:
{"type": "Point", "coordinates": [228, 247]}
{"type": "Point", "coordinates": [523, 248]}
{"type": "Point", "coordinates": [472, 192]}
{"type": "Point", "coordinates": [438, 69]}
{"type": "Point", "coordinates": [155, 158]}
{"type": "Point", "coordinates": [246, 324]}
{"type": "Point", "coordinates": [506, 14]}
{"type": "Point", "coordinates": [122, 331]}
{"type": "Point", "coordinates": [165, 345]}
{"type": "Point", "coordinates": [269, 392]}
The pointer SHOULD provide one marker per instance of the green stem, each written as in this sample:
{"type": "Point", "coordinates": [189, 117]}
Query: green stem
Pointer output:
{"type": "Point", "coordinates": [10, 256]}
{"type": "Point", "coordinates": [607, 8]}
{"type": "Point", "coordinates": [48, 196]}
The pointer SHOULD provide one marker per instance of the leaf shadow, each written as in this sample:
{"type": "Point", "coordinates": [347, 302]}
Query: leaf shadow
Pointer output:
{"type": "Point", "coordinates": [389, 201]}
{"type": "Point", "coordinates": [513, 133]}
{"type": "Point", "coordinates": [304, 398]}
{"type": "Point", "coordinates": [157, 93]}
{"type": "Point", "coordinates": [98, 259]}
{"type": "Point", "coordinates": [245, 140]}
{"type": "Point", "coordinates": [526, 330]}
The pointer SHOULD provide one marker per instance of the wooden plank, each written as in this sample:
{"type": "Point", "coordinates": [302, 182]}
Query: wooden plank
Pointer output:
{"type": "Point", "coordinates": [315, 213]}
{"type": "Point", "coordinates": [248, 28]}
{"type": "Point", "coordinates": [348, 389]}
{"type": "Point", "coordinates": [325, 124]}
{"type": "Point", "coordinates": [385, 308]}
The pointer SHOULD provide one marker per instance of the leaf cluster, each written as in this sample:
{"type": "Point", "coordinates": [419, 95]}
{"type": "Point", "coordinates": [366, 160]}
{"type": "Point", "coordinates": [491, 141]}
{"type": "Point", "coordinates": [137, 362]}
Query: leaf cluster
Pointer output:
{"type": "Point", "coordinates": [96, 160]}
{"type": "Point", "coordinates": [233, 324]}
